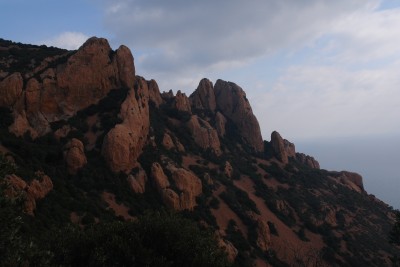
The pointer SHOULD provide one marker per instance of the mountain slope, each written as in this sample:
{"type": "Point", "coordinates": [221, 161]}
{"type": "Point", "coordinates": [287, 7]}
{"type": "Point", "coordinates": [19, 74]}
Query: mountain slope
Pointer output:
{"type": "Point", "coordinates": [114, 147]}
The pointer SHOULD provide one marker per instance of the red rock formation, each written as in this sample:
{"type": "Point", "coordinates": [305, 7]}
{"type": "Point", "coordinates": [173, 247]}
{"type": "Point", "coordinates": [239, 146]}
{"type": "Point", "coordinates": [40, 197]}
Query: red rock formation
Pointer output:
{"type": "Point", "coordinates": [36, 189]}
{"type": "Point", "coordinates": [263, 235]}
{"type": "Point", "coordinates": [189, 185]}
{"type": "Point", "coordinates": [307, 160]}
{"type": "Point", "coordinates": [220, 122]}
{"type": "Point", "coordinates": [232, 102]}
{"type": "Point", "coordinates": [204, 135]}
{"type": "Point", "coordinates": [204, 97]}
{"type": "Point", "coordinates": [228, 170]}
{"type": "Point", "coordinates": [181, 102]}
{"type": "Point", "coordinates": [278, 147]}
{"type": "Point", "coordinates": [154, 93]}
{"type": "Point", "coordinates": [58, 93]}
{"type": "Point", "coordinates": [138, 181]}
{"type": "Point", "coordinates": [290, 148]}
{"type": "Point", "coordinates": [123, 144]}
{"type": "Point", "coordinates": [167, 141]}
{"type": "Point", "coordinates": [10, 90]}
{"type": "Point", "coordinates": [160, 180]}
{"type": "Point", "coordinates": [74, 156]}
{"type": "Point", "coordinates": [354, 178]}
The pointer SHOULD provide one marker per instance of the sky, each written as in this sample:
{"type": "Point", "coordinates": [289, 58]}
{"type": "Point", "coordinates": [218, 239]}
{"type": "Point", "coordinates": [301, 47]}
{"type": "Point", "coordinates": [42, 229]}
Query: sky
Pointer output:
{"type": "Point", "coordinates": [325, 74]}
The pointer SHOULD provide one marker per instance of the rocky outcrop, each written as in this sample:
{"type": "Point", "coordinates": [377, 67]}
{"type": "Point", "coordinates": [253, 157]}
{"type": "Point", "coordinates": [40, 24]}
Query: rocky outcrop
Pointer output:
{"type": "Point", "coordinates": [37, 189]}
{"type": "Point", "coordinates": [123, 144]}
{"type": "Point", "coordinates": [278, 147]}
{"type": "Point", "coordinates": [160, 180]}
{"type": "Point", "coordinates": [228, 170]}
{"type": "Point", "coordinates": [59, 92]}
{"type": "Point", "coordinates": [186, 182]}
{"type": "Point", "coordinates": [167, 142]}
{"type": "Point", "coordinates": [91, 73]}
{"type": "Point", "coordinates": [204, 135]}
{"type": "Point", "coordinates": [74, 156]}
{"type": "Point", "coordinates": [11, 90]}
{"type": "Point", "coordinates": [204, 97]}
{"type": "Point", "coordinates": [181, 102]}
{"type": "Point", "coordinates": [189, 185]}
{"type": "Point", "coordinates": [263, 235]}
{"type": "Point", "coordinates": [233, 104]}
{"type": "Point", "coordinates": [354, 180]}
{"type": "Point", "coordinates": [138, 181]}
{"type": "Point", "coordinates": [290, 148]}
{"type": "Point", "coordinates": [307, 160]}
{"type": "Point", "coordinates": [220, 123]}
{"type": "Point", "coordinates": [154, 93]}
{"type": "Point", "coordinates": [229, 248]}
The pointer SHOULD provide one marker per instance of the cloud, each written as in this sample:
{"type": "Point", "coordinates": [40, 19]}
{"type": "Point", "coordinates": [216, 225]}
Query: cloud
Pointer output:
{"type": "Point", "coordinates": [67, 40]}
{"type": "Point", "coordinates": [334, 63]}
{"type": "Point", "coordinates": [316, 101]}
{"type": "Point", "coordinates": [203, 36]}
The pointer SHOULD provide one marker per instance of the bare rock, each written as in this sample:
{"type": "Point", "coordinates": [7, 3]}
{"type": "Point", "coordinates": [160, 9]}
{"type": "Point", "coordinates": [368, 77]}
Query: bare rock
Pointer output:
{"type": "Point", "coordinates": [118, 149]}
{"type": "Point", "coordinates": [307, 160]}
{"type": "Point", "coordinates": [353, 178]}
{"type": "Point", "coordinates": [138, 181]}
{"type": "Point", "coordinates": [220, 123]}
{"type": "Point", "coordinates": [21, 125]}
{"type": "Point", "coordinates": [233, 104]}
{"type": "Point", "coordinates": [167, 95]}
{"type": "Point", "coordinates": [263, 235]}
{"type": "Point", "coordinates": [160, 180]}
{"type": "Point", "coordinates": [125, 66]}
{"type": "Point", "coordinates": [204, 135]}
{"type": "Point", "coordinates": [37, 189]}
{"type": "Point", "coordinates": [290, 148]}
{"type": "Point", "coordinates": [229, 248]}
{"type": "Point", "coordinates": [11, 89]}
{"type": "Point", "coordinates": [181, 102]}
{"type": "Point", "coordinates": [124, 143]}
{"type": "Point", "coordinates": [167, 141]}
{"type": "Point", "coordinates": [171, 199]}
{"type": "Point", "coordinates": [186, 181]}
{"type": "Point", "coordinates": [278, 147]}
{"type": "Point", "coordinates": [189, 185]}
{"type": "Point", "coordinates": [32, 96]}
{"type": "Point", "coordinates": [154, 93]}
{"type": "Point", "coordinates": [203, 97]}
{"type": "Point", "coordinates": [228, 170]}
{"type": "Point", "coordinates": [74, 156]}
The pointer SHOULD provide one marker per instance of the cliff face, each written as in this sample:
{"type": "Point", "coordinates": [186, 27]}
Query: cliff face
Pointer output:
{"type": "Point", "coordinates": [57, 92]}
{"type": "Point", "coordinates": [96, 128]}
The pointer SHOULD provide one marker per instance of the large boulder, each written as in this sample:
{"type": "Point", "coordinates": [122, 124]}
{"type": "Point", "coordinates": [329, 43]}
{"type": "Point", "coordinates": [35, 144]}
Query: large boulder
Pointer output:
{"type": "Point", "coordinates": [204, 97]}
{"type": "Point", "coordinates": [263, 235]}
{"type": "Point", "coordinates": [138, 181]}
{"type": "Point", "coordinates": [74, 155]}
{"type": "Point", "coordinates": [307, 160]}
{"type": "Point", "coordinates": [11, 89]}
{"type": "Point", "coordinates": [123, 144]}
{"type": "Point", "coordinates": [154, 93]}
{"type": "Point", "coordinates": [37, 189]}
{"type": "Point", "coordinates": [233, 104]}
{"type": "Point", "coordinates": [181, 102]}
{"type": "Point", "coordinates": [203, 134]}
{"type": "Point", "coordinates": [278, 147]}
{"type": "Point", "coordinates": [160, 180]}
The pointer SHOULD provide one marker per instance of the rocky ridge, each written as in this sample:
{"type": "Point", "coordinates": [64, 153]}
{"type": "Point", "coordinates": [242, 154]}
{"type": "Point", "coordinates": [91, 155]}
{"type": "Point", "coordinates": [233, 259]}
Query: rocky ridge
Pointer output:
{"type": "Point", "coordinates": [202, 154]}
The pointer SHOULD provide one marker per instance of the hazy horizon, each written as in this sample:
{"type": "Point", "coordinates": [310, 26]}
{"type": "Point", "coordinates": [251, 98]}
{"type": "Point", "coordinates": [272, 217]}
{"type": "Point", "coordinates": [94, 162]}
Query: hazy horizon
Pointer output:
{"type": "Point", "coordinates": [376, 158]}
